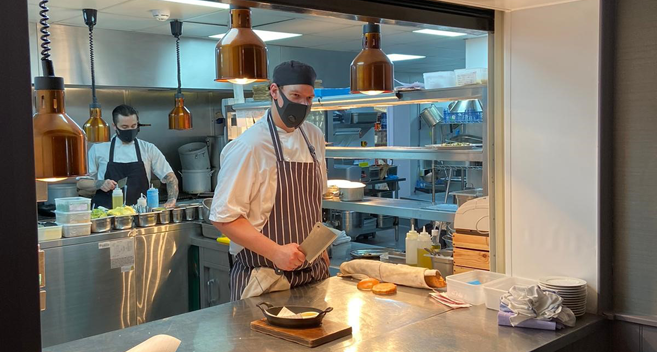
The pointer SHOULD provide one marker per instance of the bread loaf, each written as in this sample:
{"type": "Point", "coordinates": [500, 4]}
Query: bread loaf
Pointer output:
{"type": "Point", "coordinates": [367, 284]}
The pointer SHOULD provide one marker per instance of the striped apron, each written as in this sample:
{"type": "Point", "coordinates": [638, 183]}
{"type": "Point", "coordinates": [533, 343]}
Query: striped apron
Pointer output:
{"type": "Point", "coordinates": [297, 207]}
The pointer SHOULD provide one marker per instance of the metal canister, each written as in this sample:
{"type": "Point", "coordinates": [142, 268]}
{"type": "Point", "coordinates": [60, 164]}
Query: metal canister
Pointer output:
{"type": "Point", "coordinates": [164, 217]}
{"type": "Point", "coordinates": [177, 215]}
{"type": "Point", "coordinates": [191, 212]}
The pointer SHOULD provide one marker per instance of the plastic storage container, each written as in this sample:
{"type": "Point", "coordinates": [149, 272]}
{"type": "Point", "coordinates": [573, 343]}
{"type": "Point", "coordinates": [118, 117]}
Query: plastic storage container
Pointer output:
{"type": "Point", "coordinates": [49, 233]}
{"type": "Point", "coordinates": [441, 79]}
{"type": "Point", "coordinates": [73, 204]}
{"type": "Point", "coordinates": [494, 290]}
{"type": "Point", "coordinates": [468, 76]}
{"type": "Point", "coordinates": [75, 217]}
{"type": "Point", "coordinates": [329, 92]}
{"type": "Point", "coordinates": [76, 230]}
{"type": "Point", "coordinates": [461, 286]}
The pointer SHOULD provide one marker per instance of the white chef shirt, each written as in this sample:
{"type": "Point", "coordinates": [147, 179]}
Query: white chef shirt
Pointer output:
{"type": "Point", "coordinates": [246, 184]}
{"type": "Point", "coordinates": [154, 160]}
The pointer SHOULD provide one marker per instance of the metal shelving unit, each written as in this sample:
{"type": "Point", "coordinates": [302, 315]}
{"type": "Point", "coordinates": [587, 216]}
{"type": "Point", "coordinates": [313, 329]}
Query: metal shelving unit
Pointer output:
{"type": "Point", "coordinates": [402, 208]}
{"type": "Point", "coordinates": [404, 153]}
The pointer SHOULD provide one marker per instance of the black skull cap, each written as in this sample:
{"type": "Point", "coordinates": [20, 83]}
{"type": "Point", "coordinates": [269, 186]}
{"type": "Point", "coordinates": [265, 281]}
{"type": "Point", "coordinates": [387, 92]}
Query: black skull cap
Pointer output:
{"type": "Point", "coordinates": [294, 72]}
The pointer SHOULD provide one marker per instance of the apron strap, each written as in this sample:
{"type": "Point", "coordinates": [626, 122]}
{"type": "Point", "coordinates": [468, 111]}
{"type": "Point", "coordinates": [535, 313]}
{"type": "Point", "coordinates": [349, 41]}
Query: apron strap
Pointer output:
{"type": "Point", "coordinates": [310, 146]}
{"type": "Point", "coordinates": [111, 156]}
{"type": "Point", "coordinates": [137, 150]}
{"type": "Point", "coordinates": [274, 137]}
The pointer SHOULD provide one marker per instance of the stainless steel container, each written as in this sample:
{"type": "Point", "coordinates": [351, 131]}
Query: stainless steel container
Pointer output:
{"type": "Point", "coordinates": [466, 195]}
{"type": "Point", "coordinates": [190, 212]}
{"type": "Point", "coordinates": [443, 264]}
{"type": "Point", "coordinates": [123, 222]}
{"type": "Point", "coordinates": [205, 209]}
{"type": "Point", "coordinates": [177, 215]}
{"type": "Point", "coordinates": [350, 220]}
{"type": "Point", "coordinates": [352, 193]}
{"type": "Point", "coordinates": [101, 224]}
{"type": "Point", "coordinates": [147, 219]}
{"type": "Point", "coordinates": [431, 116]}
{"type": "Point", "coordinates": [164, 216]}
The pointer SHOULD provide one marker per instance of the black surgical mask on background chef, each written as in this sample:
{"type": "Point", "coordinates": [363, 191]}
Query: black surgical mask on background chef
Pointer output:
{"type": "Point", "coordinates": [292, 114]}
{"type": "Point", "coordinates": [127, 136]}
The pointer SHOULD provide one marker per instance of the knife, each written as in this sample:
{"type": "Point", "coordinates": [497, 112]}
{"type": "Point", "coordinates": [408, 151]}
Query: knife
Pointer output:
{"type": "Point", "coordinates": [317, 241]}
{"type": "Point", "coordinates": [122, 182]}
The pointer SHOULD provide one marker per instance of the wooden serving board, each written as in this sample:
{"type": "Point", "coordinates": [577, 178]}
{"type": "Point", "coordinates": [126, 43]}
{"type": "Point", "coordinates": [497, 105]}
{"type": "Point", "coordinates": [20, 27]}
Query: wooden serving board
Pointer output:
{"type": "Point", "coordinates": [312, 337]}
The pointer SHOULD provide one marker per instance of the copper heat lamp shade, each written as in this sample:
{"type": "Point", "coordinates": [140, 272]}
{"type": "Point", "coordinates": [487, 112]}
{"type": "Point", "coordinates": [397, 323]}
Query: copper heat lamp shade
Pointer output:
{"type": "Point", "coordinates": [241, 56]}
{"type": "Point", "coordinates": [372, 70]}
{"type": "Point", "coordinates": [180, 118]}
{"type": "Point", "coordinates": [60, 146]}
{"type": "Point", "coordinates": [96, 129]}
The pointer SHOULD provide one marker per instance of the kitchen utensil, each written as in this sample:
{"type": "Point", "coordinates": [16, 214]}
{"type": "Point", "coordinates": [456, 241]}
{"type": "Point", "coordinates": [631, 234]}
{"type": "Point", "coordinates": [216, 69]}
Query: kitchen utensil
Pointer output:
{"type": "Point", "coordinates": [352, 192]}
{"type": "Point", "coordinates": [431, 116]}
{"type": "Point", "coordinates": [122, 182]}
{"type": "Point", "coordinates": [123, 222]}
{"type": "Point", "coordinates": [465, 105]}
{"type": "Point", "coordinates": [194, 156]}
{"type": "Point", "coordinates": [164, 216]}
{"type": "Point", "coordinates": [147, 219]}
{"type": "Point", "coordinates": [311, 337]}
{"type": "Point", "coordinates": [177, 214]}
{"type": "Point", "coordinates": [318, 239]}
{"type": "Point", "coordinates": [190, 212]}
{"type": "Point", "coordinates": [197, 181]}
{"type": "Point", "coordinates": [368, 253]}
{"type": "Point", "coordinates": [61, 190]}
{"type": "Point", "coordinates": [271, 314]}
{"type": "Point", "coordinates": [101, 224]}
{"type": "Point", "coordinates": [205, 208]}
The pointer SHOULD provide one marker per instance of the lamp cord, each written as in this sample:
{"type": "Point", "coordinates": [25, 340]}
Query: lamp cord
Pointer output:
{"type": "Point", "coordinates": [178, 62]}
{"type": "Point", "coordinates": [46, 64]}
{"type": "Point", "coordinates": [93, 74]}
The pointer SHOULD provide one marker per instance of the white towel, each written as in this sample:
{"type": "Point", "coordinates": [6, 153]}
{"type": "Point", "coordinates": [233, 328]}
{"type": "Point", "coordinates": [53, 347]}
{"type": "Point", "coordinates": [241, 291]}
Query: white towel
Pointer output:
{"type": "Point", "coordinates": [533, 303]}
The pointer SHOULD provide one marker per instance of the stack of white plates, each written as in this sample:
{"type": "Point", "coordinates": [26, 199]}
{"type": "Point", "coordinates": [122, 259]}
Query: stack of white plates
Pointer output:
{"type": "Point", "coordinates": [572, 290]}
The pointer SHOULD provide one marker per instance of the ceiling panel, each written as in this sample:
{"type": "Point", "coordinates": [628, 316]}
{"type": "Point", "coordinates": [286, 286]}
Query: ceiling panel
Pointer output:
{"type": "Point", "coordinates": [82, 4]}
{"type": "Point", "coordinates": [258, 17]}
{"type": "Point", "coordinates": [306, 41]}
{"type": "Point", "coordinates": [303, 26]}
{"type": "Point", "coordinates": [189, 30]}
{"type": "Point", "coordinates": [352, 45]}
{"type": "Point", "coordinates": [110, 21]}
{"type": "Point", "coordinates": [55, 13]}
{"type": "Point", "coordinates": [142, 8]}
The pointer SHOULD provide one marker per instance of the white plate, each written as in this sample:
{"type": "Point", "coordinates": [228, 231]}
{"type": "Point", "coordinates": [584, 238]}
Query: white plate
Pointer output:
{"type": "Point", "coordinates": [562, 281]}
{"type": "Point", "coordinates": [582, 289]}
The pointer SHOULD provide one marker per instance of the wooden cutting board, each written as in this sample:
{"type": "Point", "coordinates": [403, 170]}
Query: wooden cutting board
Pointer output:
{"type": "Point", "coordinates": [312, 337]}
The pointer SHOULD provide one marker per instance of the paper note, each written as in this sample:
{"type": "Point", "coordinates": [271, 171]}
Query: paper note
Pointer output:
{"type": "Point", "coordinates": [122, 253]}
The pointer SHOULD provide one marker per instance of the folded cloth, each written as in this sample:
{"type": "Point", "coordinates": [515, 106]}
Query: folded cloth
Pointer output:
{"type": "Point", "coordinates": [527, 302]}
{"type": "Point", "coordinates": [399, 274]}
{"type": "Point", "coordinates": [504, 319]}
{"type": "Point", "coordinates": [341, 238]}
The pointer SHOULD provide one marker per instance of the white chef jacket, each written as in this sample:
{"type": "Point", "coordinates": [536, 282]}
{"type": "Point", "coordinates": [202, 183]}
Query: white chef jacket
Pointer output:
{"type": "Point", "coordinates": [154, 160]}
{"type": "Point", "coordinates": [246, 184]}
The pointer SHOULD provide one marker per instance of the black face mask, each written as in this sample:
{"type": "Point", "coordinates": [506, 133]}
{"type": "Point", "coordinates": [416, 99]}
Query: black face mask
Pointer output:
{"type": "Point", "coordinates": [127, 136]}
{"type": "Point", "coordinates": [293, 114]}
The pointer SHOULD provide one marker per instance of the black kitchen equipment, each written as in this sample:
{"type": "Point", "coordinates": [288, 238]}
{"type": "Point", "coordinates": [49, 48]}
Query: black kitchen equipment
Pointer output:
{"type": "Point", "coordinates": [271, 314]}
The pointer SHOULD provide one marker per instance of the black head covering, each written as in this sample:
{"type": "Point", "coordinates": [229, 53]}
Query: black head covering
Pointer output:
{"type": "Point", "coordinates": [294, 72]}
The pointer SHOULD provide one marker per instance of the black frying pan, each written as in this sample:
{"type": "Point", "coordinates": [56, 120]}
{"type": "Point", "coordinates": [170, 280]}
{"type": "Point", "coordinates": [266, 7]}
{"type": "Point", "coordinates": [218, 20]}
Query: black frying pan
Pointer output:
{"type": "Point", "coordinates": [294, 323]}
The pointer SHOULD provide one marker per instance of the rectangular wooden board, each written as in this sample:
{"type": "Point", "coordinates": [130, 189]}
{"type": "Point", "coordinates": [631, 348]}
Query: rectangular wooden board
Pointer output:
{"type": "Point", "coordinates": [462, 269]}
{"type": "Point", "coordinates": [472, 258]}
{"type": "Point", "coordinates": [42, 268]}
{"type": "Point", "coordinates": [312, 337]}
{"type": "Point", "coordinates": [471, 242]}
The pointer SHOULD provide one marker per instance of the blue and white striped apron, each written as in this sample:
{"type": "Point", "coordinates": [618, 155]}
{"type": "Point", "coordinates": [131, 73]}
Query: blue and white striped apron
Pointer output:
{"type": "Point", "coordinates": [297, 207]}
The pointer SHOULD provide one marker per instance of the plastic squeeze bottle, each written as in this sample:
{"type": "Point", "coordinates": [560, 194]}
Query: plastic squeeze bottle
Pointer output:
{"type": "Point", "coordinates": [153, 197]}
{"type": "Point", "coordinates": [423, 241]}
{"type": "Point", "coordinates": [411, 246]}
{"type": "Point", "coordinates": [117, 198]}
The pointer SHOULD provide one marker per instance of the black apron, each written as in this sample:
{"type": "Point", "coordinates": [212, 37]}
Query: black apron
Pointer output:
{"type": "Point", "coordinates": [134, 171]}
{"type": "Point", "coordinates": [297, 207]}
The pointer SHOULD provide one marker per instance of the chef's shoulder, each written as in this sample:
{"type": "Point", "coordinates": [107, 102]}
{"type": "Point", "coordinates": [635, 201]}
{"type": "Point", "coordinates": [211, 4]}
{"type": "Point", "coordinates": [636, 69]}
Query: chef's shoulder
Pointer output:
{"type": "Point", "coordinates": [314, 133]}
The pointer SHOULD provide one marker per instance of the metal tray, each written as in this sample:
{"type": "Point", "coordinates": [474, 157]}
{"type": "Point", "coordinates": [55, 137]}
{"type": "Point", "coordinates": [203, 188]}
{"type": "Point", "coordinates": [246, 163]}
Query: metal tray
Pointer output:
{"type": "Point", "coordinates": [454, 147]}
{"type": "Point", "coordinates": [368, 253]}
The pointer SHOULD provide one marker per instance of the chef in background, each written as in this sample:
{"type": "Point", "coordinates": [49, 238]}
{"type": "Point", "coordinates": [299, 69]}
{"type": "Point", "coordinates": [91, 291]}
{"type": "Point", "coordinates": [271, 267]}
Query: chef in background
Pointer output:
{"type": "Point", "coordinates": [126, 156]}
{"type": "Point", "coordinates": [269, 190]}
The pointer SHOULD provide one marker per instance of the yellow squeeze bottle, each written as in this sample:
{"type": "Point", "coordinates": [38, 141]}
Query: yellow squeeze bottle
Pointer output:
{"type": "Point", "coordinates": [117, 198]}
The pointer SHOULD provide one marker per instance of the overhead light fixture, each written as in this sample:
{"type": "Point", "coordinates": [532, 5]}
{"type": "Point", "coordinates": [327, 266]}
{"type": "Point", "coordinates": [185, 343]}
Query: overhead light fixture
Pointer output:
{"type": "Point", "coordinates": [404, 57]}
{"type": "Point", "coordinates": [217, 5]}
{"type": "Point", "coordinates": [96, 129]}
{"type": "Point", "coordinates": [180, 118]}
{"type": "Point", "coordinates": [372, 70]}
{"type": "Point", "coordinates": [440, 33]}
{"type": "Point", "coordinates": [266, 36]}
{"type": "Point", "coordinates": [60, 146]}
{"type": "Point", "coordinates": [240, 55]}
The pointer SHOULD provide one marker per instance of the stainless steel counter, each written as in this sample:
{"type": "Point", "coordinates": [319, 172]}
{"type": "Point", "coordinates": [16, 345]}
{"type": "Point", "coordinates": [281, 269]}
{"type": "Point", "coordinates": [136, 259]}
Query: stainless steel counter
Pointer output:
{"type": "Point", "coordinates": [407, 321]}
{"type": "Point", "coordinates": [403, 208]}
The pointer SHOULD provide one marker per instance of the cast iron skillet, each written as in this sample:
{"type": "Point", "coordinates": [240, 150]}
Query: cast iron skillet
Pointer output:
{"type": "Point", "coordinates": [295, 323]}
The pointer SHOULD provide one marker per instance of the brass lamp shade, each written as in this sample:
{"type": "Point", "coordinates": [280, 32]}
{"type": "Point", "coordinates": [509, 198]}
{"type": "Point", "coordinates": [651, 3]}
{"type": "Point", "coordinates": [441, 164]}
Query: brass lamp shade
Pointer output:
{"type": "Point", "coordinates": [372, 70]}
{"type": "Point", "coordinates": [241, 56]}
{"type": "Point", "coordinates": [60, 146]}
{"type": "Point", "coordinates": [96, 128]}
{"type": "Point", "coordinates": [180, 118]}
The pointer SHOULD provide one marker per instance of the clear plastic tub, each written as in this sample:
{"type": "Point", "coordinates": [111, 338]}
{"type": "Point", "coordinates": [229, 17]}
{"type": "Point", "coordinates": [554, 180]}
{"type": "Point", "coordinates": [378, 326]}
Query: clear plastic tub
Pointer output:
{"type": "Point", "coordinates": [469, 76]}
{"type": "Point", "coordinates": [441, 79]}
{"type": "Point", "coordinates": [460, 286]}
{"type": "Point", "coordinates": [49, 233]}
{"type": "Point", "coordinates": [76, 230]}
{"type": "Point", "coordinates": [493, 291]}
{"type": "Point", "coordinates": [76, 217]}
{"type": "Point", "coordinates": [72, 204]}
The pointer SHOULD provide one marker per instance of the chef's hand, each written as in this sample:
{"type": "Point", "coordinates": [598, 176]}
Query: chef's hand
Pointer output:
{"type": "Point", "coordinates": [170, 203]}
{"type": "Point", "coordinates": [289, 257]}
{"type": "Point", "coordinates": [108, 185]}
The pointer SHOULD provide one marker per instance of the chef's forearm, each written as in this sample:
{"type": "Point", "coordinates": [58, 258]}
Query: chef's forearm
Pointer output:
{"type": "Point", "coordinates": [90, 185]}
{"type": "Point", "coordinates": [243, 233]}
{"type": "Point", "coordinates": [172, 186]}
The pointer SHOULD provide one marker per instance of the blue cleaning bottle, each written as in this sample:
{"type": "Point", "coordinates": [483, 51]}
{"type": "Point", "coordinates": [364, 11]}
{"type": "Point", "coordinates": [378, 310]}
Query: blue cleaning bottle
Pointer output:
{"type": "Point", "coordinates": [152, 197]}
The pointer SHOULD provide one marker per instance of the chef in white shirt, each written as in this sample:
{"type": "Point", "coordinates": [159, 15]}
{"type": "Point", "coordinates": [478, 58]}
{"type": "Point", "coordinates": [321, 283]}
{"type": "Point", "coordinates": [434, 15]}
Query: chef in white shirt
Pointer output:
{"type": "Point", "coordinates": [127, 156]}
{"type": "Point", "coordinates": [269, 190]}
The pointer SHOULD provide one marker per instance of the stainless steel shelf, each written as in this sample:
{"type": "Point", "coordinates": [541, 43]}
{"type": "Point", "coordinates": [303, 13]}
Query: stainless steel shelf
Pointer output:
{"type": "Point", "coordinates": [404, 153]}
{"type": "Point", "coordinates": [403, 208]}
{"type": "Point", "coordinates": [398, 98]}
